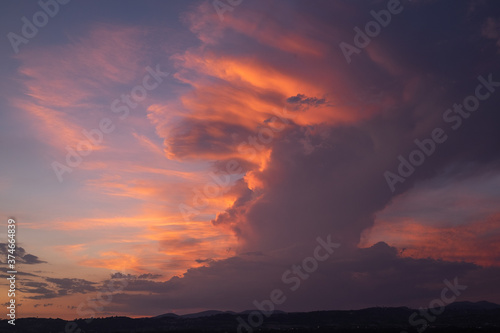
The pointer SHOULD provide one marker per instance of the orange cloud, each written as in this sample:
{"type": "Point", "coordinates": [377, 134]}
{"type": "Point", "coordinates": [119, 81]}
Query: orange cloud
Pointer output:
{"type": "Point", "coordinates": [53, 126]}
{"type": "Point", "coordinates": [477, 242]}
{"type": "Point", "coordinates": [62, 82]}
{"type": "Point", "coordinates": [112, 260]}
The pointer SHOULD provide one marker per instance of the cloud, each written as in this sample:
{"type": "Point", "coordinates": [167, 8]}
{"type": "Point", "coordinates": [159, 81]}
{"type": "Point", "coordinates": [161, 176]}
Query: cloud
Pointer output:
{"type": "Point", "coordinates": [324, 173]}
{"type": "Point", "coordinates": [320, 174]}
{"type": "Point", "coordinates": [42, 291]}
{"type": "Point", "coordinates": [303, 100]}
{"type": "Point", "coordinates": [69, 286]}
{"type": "Point", "coordinates": [149, 276]}
{"type": "Point", "coordinates": [21, 255]}
{"type": "Point", "coordinates": [202, 261]}
{"type": "Point", "coordinates": [364, 278]}
{"type": "Point", "coordinates": [473, 242]}
{"type": "Point", "coordinates": [60, 90]}
{"type": "Point", "coordinates": [450, 218]}
{"type": "Point", "coordinates": [56, 287]}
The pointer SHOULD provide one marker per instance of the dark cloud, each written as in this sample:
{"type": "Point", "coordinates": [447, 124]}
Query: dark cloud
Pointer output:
{"type": "Point", "coordinates": [202, 261]}
{"type": "Point", "coordinates": [303, 100]}
{"type": "Point", "coordinates": [32, 259]}
{"type": "Point", "coordinates": [146, 276]}
{"type": "Point", "coordinates": [21, 255]}
{"type": "Point", "coordinates": [149, 276]}
{"type": "Point", "coordinates": [55, 287]}
{"type": "Point", "coordinates": [119, 275]}
{"type": "Point", "coordinates": [312, 192]}
{"type": "Point", "coordinates": [365, 277]}
{"type": "Point", "coordinates": [24, 274]}
{"type": "Point", "coordinates": [41, 290]}
{"type": "Point", "coordinates": [70, 286]}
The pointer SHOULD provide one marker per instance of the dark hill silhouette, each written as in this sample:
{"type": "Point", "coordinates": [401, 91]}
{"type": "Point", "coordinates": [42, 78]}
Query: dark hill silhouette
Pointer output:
{"type": "Point", "coordinates": [202, 314]}
{"type": "Point", "coordinates": [462, 317]}
{"type": "Point", "coordinates": [482, 305]}
{"type": "Point", "coordinates": [167, 315]}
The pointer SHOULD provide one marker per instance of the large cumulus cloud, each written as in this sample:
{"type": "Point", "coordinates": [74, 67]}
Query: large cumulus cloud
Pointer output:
{"type": "Point", "coordinates": [324, 172]}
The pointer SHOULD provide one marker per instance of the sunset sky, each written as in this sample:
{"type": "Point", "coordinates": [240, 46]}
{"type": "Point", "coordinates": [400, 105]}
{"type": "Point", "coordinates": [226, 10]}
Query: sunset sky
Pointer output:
{"type": "Point", "coordinates": [198, 149]}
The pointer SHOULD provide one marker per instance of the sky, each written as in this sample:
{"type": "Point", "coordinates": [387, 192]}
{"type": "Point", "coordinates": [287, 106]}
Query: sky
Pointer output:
{"type": "Point", "coordinates": [202, 154]}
